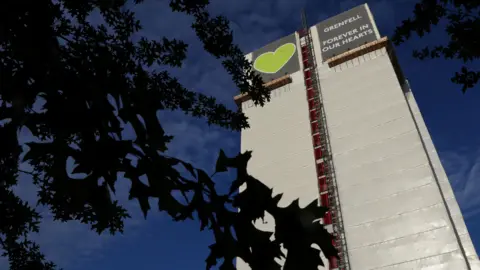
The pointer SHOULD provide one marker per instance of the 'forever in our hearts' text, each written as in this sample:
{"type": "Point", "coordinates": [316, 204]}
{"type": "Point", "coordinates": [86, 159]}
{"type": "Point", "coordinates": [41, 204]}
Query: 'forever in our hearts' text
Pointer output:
{"type": "Point", "coordinates": [346, 37]}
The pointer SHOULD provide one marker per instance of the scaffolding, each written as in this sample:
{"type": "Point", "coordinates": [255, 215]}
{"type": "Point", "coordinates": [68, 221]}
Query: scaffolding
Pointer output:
{"type": "Point", "coordinates": [327, 186]}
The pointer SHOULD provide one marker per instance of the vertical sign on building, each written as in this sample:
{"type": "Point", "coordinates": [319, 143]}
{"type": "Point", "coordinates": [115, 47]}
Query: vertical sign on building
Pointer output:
{"type": "Point", "coordinates": [277, 59]}
{"type": "Point", "coordinates": [346, 31]}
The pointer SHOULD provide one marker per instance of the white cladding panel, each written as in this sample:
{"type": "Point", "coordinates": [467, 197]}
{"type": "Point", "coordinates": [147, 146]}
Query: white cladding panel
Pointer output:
{"type": "Point", "coordinates": [444, 184]}
{"type": "Point", "coordinates": [280, 138]}
{"type": "Point", "coordinates": [394, 215]}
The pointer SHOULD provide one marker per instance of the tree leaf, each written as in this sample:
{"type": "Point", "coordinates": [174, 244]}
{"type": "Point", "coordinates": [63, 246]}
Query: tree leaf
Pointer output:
{"type": "Point", "coordinates": [189, 168]}
{"type": "Point", "coordinates": [222, 162]}
{"type": "Point", "coordinates": [140, 191]}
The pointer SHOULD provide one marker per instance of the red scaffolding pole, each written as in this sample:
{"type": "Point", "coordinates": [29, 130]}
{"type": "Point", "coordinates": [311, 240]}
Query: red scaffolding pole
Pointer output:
{"type": "Point", "coordinates": [324, 166]}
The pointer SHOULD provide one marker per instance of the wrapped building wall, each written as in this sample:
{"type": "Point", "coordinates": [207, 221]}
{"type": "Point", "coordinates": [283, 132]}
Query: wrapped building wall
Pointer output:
{"type": "Point", "coordinates": [398, 210]}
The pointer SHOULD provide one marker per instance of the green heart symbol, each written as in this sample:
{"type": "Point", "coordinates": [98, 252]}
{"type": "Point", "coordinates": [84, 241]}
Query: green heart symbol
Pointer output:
{"type": "Point", "coordinates": [272, 62]}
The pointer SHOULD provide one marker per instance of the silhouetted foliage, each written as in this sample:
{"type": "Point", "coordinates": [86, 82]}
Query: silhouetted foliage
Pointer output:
{"type": "Point", "coordinates": [75, 86]}
{"type": "Point", "coordinates": [463, 28]}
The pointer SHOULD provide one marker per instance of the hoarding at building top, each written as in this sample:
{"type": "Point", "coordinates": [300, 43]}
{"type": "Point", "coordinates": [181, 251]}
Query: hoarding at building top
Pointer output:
{"type": "Point", "coordinates": [345, 32]}
{"type": "Point", "coordinates": [277, 59]}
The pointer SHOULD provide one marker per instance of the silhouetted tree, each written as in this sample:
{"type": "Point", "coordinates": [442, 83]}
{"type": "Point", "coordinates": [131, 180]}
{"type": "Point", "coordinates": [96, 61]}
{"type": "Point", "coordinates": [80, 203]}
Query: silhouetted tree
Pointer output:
{"type": "Point", "coordinates": [75, 85]}
{"type": "Point", "coordinates": [463, 27]}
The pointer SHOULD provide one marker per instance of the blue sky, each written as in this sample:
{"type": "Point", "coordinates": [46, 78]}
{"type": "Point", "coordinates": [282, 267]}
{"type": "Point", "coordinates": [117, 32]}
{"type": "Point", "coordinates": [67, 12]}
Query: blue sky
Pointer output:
{"type": "Point", "coordinates": [158, 242]}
